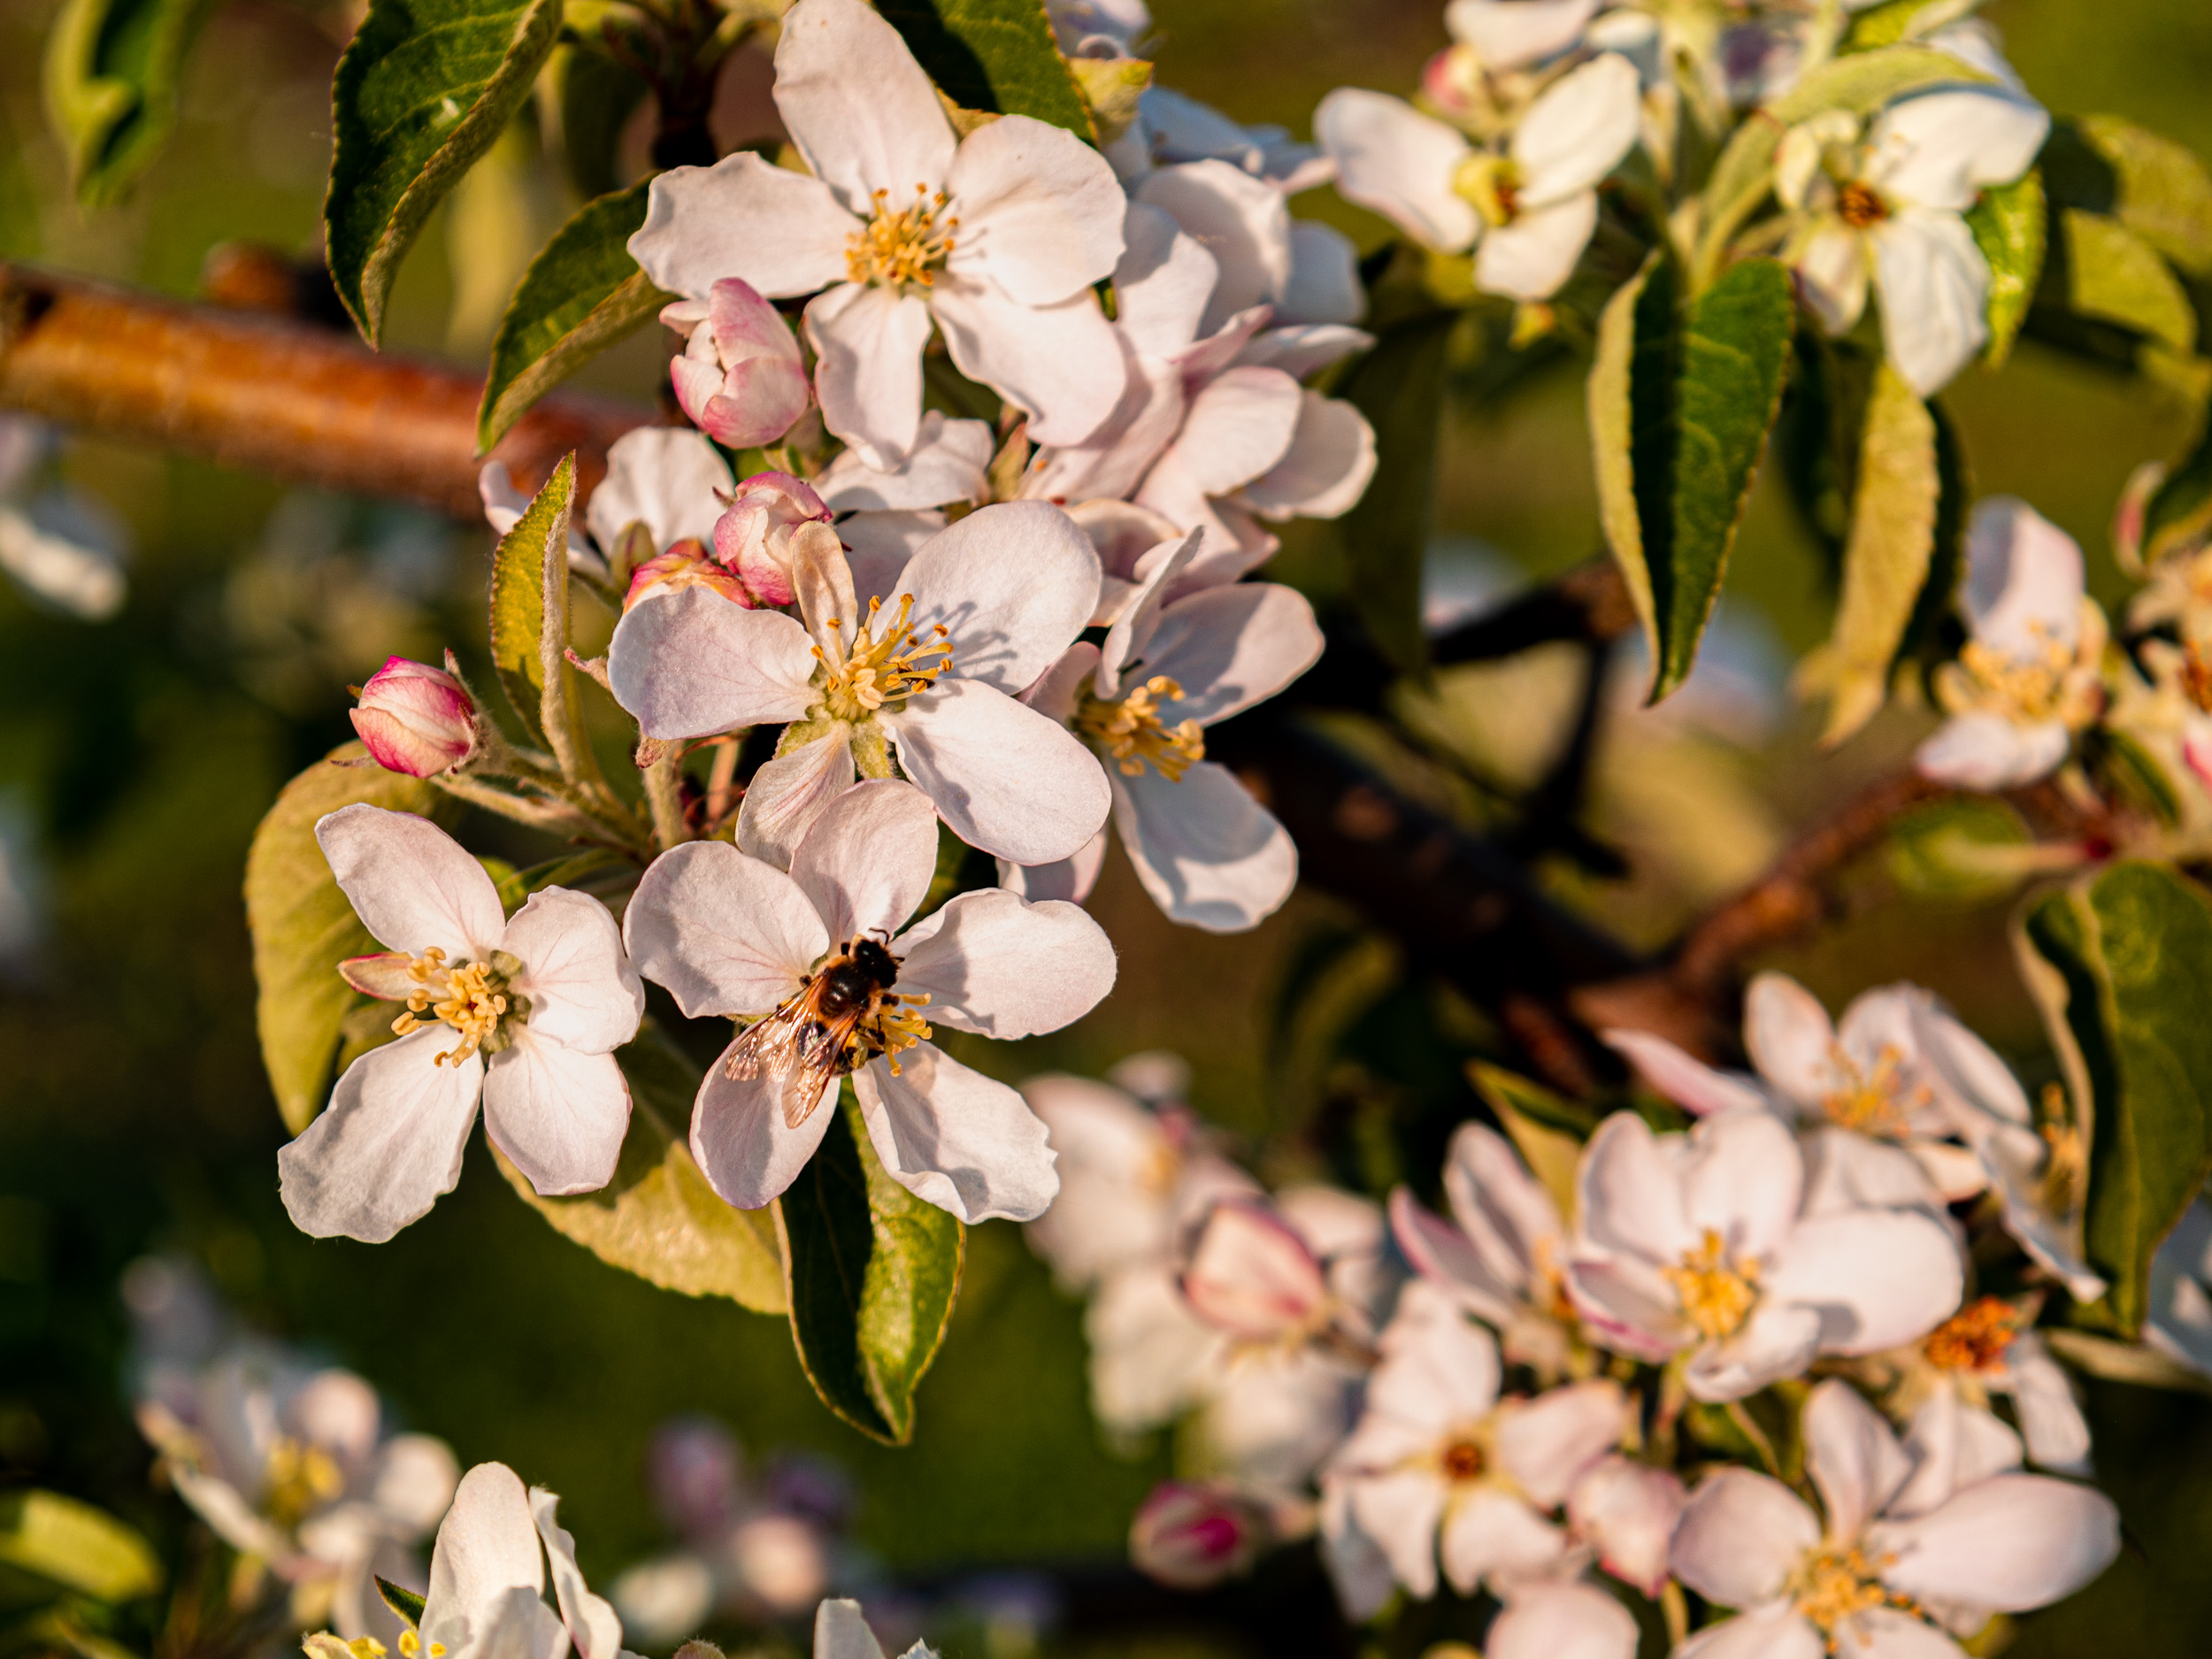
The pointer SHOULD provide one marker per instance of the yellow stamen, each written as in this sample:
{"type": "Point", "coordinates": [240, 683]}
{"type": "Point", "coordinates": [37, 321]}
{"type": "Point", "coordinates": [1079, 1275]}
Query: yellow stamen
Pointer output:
{"type": "Point", "coordinates": [299, 1479]}
{"type": "Point", "coordinates": [411, 1646]}
{"type": "Point", "coordinates": [1837, 1584]}
{"type": "Point", "coordinates": [1977, 1337]}
{"type": "Point", "coordinates": [898, 1028]}
{"type": "Point", "coordinates": [1715, 1296]}
{"type": "Point", "coordinates": [884, 663]}
{"type": "Point", "coordinates": [1132, 732]}
{"type": "Point", "coordinates": [473, 1000]}
{"type": "Point", "coordinates": [2031, 689]}
{"type": "Point", "coordinates": [1874, 1102]}
{"type": "Point", "coordinates": [898, 247]}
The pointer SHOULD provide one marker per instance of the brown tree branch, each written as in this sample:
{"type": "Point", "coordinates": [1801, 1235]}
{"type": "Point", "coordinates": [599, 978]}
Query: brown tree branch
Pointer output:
{"type": "Point", "coordinates": [274, 395]}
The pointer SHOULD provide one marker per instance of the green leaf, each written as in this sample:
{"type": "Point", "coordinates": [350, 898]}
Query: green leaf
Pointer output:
{"type": "Point", "coordinates": [2115, 276]}
{"type": "Point", "coordinates": [1702, 390]}
{"type": "Point", "coordinates": [581, 294]}
{"type": "Point", "coordinates": [1886, 562]}
{"type": "Point", "coordinates": [401, 1600]}
{"type": "Point", "coordinates": [657, 1218]}
{"type": "Point", "coordinates": [529, 621]}
{"type": "Point", "coordinates": [2164, 194]}
{"type": "Point", "coordinates": [2124, 1361]}
{"type": "Point", "coordinates": [425, 88]}
{"type": "Point", "coordinates": [303, 927]}
{"type": "Point", "coordinates": [1967, 849]}
{"type": "Point", "coordinates": [2179, 513]}
{"type": "Point", "coordinates": [596, 97]}
{"type": "Point", "coordinates": [112, 72]}
{"type": "Point", "coordinates": [1890, 22]}
{"type": "Point", "coordinates": [2008, 227]}
{"type": "Point", "coordinates": [871, 1271]}
{"type": "Point", "coordinates": [2127, 954]}
{"type": "Point", "coordinates": [996, 56]}
{"type": "Point", "coordinates": [76, 1545]}
{"type": "Point", "coordinates": [1399, 385]}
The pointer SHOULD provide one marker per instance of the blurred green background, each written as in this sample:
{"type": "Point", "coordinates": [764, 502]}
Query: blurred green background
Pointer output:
{"type": "Point", "coordinates": [135, 757]}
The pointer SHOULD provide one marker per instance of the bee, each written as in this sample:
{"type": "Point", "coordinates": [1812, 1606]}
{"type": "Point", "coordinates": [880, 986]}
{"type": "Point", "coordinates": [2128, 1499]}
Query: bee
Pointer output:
{"type": "Point", "coordinates": [823, 1033]}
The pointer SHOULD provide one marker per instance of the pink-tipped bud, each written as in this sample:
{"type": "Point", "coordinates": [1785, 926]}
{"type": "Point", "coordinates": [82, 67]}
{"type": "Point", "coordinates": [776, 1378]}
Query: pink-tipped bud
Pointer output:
{"type": "Point", "coordinates": [754, 537]}
{"type": "Point", "coordinates": [1626, 1511]}
{"type": "Point", "coordinates": [1451, 79]}
{"type": "Point", "coordinates": [415, 719]}
{"type": "Point", "coordinates": [1191, 1536]}
{"type": "Point", "coordinates": [1252, 1275]}
{"type": "Point", "coordinates": [739, 379]}
{"type": "Point", "coordinates": [686, 564]}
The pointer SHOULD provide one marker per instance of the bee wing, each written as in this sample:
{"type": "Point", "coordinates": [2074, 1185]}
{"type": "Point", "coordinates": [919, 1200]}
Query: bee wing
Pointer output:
{"type": "Point", "coordinates": [800, 1049]}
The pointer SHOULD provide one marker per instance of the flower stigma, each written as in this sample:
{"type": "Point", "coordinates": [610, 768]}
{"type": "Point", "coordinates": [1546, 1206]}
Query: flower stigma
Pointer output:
{"type": "Point", "coordinates": [1131, 731]}
{"type": "Point", "coordinates": [904, 246]}
{"type": "Point", "coordinates": [474, 1000]}
{"type": "Point", "coordinates": [1975, 1338]}
{"type": "Point", "coordinates": [1716, 1298]}
{"type": "Point", "coordinates": [888, 666]}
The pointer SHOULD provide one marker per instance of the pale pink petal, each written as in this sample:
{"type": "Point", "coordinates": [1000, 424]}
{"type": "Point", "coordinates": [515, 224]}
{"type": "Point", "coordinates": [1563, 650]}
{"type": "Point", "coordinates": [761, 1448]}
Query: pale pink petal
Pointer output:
{"type": "Point", "coordinates": [1070, 879]}
{"type": "Point", "coordinates": [1853, 1459]}
{"type": "Point", "coordinates": [857, 105]}
{"type": "Point", "coordinates": [868, 859]}
{"type": "Point", "coordinates": [1950, 1445]}
{"type": "Point", "coordinates": [592, 1625]}
{"type": "Point", "coordinates": [740, 1139]}
{"type": "Point", "coordinates": [1506, 1213]}
{"type": "Point", "coordinates": [2007, 1544]}
{"type": "Point", "coordinates": [1005, 778]}
{"type": "Point", "coordinates": [583, 991]}
{"type": "Point", "coordinates": [1487, 1532]}
{"type": "Point", "coordinates": [1878, 1279]}
{"type": "Point", "coordinates": [1628, 1307]}
{"type": "Point", "coordinates": [1391, 158]}
{"type": "Point", "coordinates": [1040, 209]}
{"type": "Point", "coordinates": [1545, 1444]}
{"type": "Point", "coordinates": [1400, 1512]}
{"type": "Point", "coordinates": [1533, 258]}
{"type": "Point", "coordinates": [412, 885]}
{"type": "Point", "coordinates": [1628, 1511]}
{"type": "Point", "coordinates": [725, 932]}
{"type": "Point", "coordinates": [1161, 283]}
{"type": "Point", "coordinates": [840, 1633]}
{"type": "Point", "coordinates": [388, 1144]}
{"type": "Point", "coordinates": [1238, 427]}
{"type": "Point", "coordinates": [956, 1139]}
{"type": "Point", "coordinates": [1011, 584]}
{"type": "Point", "coordinates": [1988, 752]}
{"type": "Point", "coordinates": [1002, 966]}
{"type": "Point", "coordinates": [1790, 1037]}
{"type": "Point", "coordinates": [692, 664]}
{"type": "Point", "coordinates": [1325, 470]}
{"type": "Point", "coordinates": [661, 477]}
{"type": "Point", "coordinates": [1243, 222]}
{"type": "Point", "coordinates": [1934, 285]}
{"type": "Point", "coordinates": [1778, 1633]}
{"type": "Point", "coordinates": [1561, 1621]}
{"type": "Point", "coordinates": [1441, 1253]}
{"type": "Point", "coordinates": [487, 1547]}
{"type": "Point", "coordinates": [1576, 133]}
{"type": "Point", "coordinates": [1209, 855]}
{"type": "Point", "coordinates": [1833, 274]}
{"type": "Point", "coordinates": [1742, 1179]}
{"type": "Point", "coordinates": [787, 795]}
{"type": "Point", "coordinates": [1942, 149]}
{"type": "Point", "coordinates": [1778, 1341]}
{"type": "Point", "coordinates": [1698, 1088]}
{"type": "Point", "coordinates": [2024, 580]}
{"type": "Point", "coordinates": [2050, 1417]}
{"type": "Point", "coordinates": [948, 465]}
{"type": "Point", "coordinates": [1251, 1275]}
{"type": "Point", "coordinates": [1740, 1537]}
{"type": "Point", "coordinates": [1888, 1633]}
{"type": "Point", "coordinates": [1062, 363]}
{"type": "Point", "coordinates": [878, 546]}
{"type": "Point", "coordinates": [1630, 1191]}
{"type": "Point", "coordinates": [1324, 287]}
{"type": "Point", "coordinates": [868, 344]}
{"type": "Point", "coordinates": [558, 1113]}
{"type": "Point", "coordinates": [778, 230]}
{"type": "Point", "coordinates": [1509, 34]}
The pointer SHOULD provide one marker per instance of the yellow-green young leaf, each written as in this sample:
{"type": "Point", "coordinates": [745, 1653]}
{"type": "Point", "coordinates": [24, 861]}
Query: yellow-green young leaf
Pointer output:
{"type": "Point", "coordinates": [1611, 419]}
{"type": "Point", "coordinates": [1965, 851]}
{"type": "Point", "coordinates": [2127, 954]}
{"type": "Point", "coordinates": [303, 927]}
{"type": "Point", "coordinates": [581, 294]}
{"type": "Point", "coordinates": [1112, 88]}
{"type": "Point", "coordinates": [658, 1219]}
{"type": "Point", "coordinates": [1547, 1131]}
{"type": "Point", "coordinates": [76, 1545]}
{"type": "Point", "coordinates": [995, 56]}
{"type": "Point", "coordinates": [1399, 385]}
{"type": "Point", "coordinates": [2116, 277]}
{"type": "Point", "coordinates": [425, 88]}
{"type": "Point", "coordinates": [2008, 227]}
{"type": "Point", "coordinates": [2164, 192]}
{"type": "Point", "coordinates": [1890, 22]}
{"type": "Point", "coordinates": [871, 1272]}
{"type": "Point", "coordinates": [2125, 1362]}
{"type": "Point", "coordinates": [2179, 513]}
{"type": "Point", "coordinates": [522, 600]}
{"type": "Point", "coordinates": [1885, 561]}
{"type": "Point", "coordinates": [112, 72]}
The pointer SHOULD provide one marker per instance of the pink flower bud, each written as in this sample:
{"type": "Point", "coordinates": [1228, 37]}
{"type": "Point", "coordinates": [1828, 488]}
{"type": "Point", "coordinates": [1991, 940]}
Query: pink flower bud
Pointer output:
{"type": "Point", "coordinates": [753, 538]}
{"type": "Point", "coordinates": [1192, 1536]}
{"type": "Point", "coordinates": [686, 564]}
{"type": "Point", "coordinates": [740, 378]}
{"type": "Point", "coordinates": [1451, 78]}
{"type": "Point", "coordinates": [416, 719]}
{"type": "Point", "coordinates": [1251, 1275]}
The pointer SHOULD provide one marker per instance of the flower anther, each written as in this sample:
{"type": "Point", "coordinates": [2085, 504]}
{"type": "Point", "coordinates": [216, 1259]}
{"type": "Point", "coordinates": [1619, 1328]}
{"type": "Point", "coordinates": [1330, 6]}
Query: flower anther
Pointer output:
{"type": "Point", "coordinates": [1463, 1459]}
{"type": "Point", "coordinates": [1837, 1584]}
{"type": "Point", "coordinates": [413, 1647]}
{"type": "Point", "coordinates": [1860, 205]}
{"type": "Point", "coordinates": [884, 663]}
{"type": "Point", "coordinates": [2036, 689]}
{"type": "Point", "coordinates": [1717, 1295]}
{"type": "Point", "coordinates": [843, 1014]}
{"type": "Point", "coordinates": [1131, 732]}
{"type": "Point", "coordinates": [903, 246]}
{"type": "Point", "coordinates": [300, 1478]}
{"type": "Point", "coordinates": [1872, 1100]}
{"type": "Point", "coordinates": [1977, 1338]}
{"type": "Point", "coordinates": [474, 999]}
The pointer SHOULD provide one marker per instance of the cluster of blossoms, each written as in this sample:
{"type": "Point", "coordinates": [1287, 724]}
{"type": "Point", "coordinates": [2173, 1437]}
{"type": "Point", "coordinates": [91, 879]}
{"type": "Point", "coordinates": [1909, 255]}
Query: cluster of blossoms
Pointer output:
{"type": "Point", "coordinates": [1509, 1415]}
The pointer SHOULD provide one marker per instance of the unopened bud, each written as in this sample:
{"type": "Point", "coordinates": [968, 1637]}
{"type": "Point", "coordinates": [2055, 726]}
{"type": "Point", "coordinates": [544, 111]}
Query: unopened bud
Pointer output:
{"type": "Point", "coordinates": [686, 564]}
{"type": "Point", "coordinates": [1252, 1275]}
{"type": "Point", "coordinates": [415, 719]}
{"type": "Point", "coordinates": [1191, 1536]}
{"type": "Point", "coordinates": [754, 537]}
{"type": "Point", "coordinates": [740, 378]}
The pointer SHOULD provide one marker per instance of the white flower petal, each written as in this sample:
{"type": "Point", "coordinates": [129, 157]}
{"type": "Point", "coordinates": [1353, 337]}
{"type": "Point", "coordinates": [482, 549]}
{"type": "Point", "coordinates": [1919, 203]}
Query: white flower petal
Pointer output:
{"type": "Point", "coordinates": [2007, 1544]}
{"type": "Point", "coordinates": [1698, 1088]}
{"type": "Point", "coordinates": [1940, 149]}
{"type": "Point", "coordinates": [1324, 286]}
{"type": "Point", "coordinates": [1001, 966]}
{"type": "Point", "coordinates": [1780, 1341]}
{"type": "Point", "coordinates": [1628, 1511]}
{"type": "Point", "coordinates": [1005, 778]}
{"type": "Point", "coordinates": [778, 230]}
{"type": "Point", "coordinates": [1161, 283]}
{"type": "Point", "coordinates": [1040, 209]}
{"type": "Point", "coordinates": [592, 1625]}
{"type": "Point", "coordinates": [1509, 34]}
{"type": "Point", "coordinates": [1237, 428]}
{"type": "Point", "coordinates": [1209, 855]}
{"type": "Point", "coordinates": [1251, 1275]}
{"type": "Point", "coordinates": [1988, 752]}
{"type": "Point", "coordinates": [840, 1633]}
{"type": "Point", "coordinates": [1742, 1179]}
{"type": "Point", "coordinates": [1950, 1445]}
{"type": "Point", "coordinates": [869, 857]}
{"type": "Point", "coordinates": [1561, 1621]}
{"type": "Point", "coordinates": [692, 664]}
{"type": "Point", "coordinates": [1012, 585]}
{"type": "Point", "coordinates": [1062, 362]}
{"type": "Point", "coordinates": [1392, 159]}
{"type": "Point", "coordinates": [880, 545]}
{"type": "Point", "coordinates": [1441, 1253]}
{"type": "Point", "coordinates": [1305, 349]}
{"type": "Point", "coordinates": [1327, 469]}
{"type": "Point", "coordinates": [725, 932]}
{"type": "Point", "coordinates": [414, 1481]}
{"type": "Point", "coordinates": [1833, 275]}
{"type": "Point", "coordinates": [1853, 1457]}
{"type": "Point", "coordinates": [1486, 1532]}
{"type": "Point", "coordinates": [1740, 1537]}
{"type": "Point", "coordinates": [487, 1545]}
{"type": "Point", "coordinates": [956, 1139]}
{"type": "Point", "coordinates": [740, 1141]}
{"type": "Point", "coordinates": [1547, 1443]}
{"type": "Point", "coordinates": [1578, 131]}
{"type": "Point", "coordinates": [1230, 648]}
{"type": "Point", "coordinates": [1776, 1632]}
{"type": "Point", "coordinates": [1878, 1277]}
{"type": "Point", "coordinates": [2024, 580]}
{"type": "Point", "coordinates": [1242, 221]}
{"type": "Point", "coordinates": [1070, 880]}
{"type": "Point", "coordinates": [948, 465]}
{"type": "Point", "coordinates": [388, 1144]}
{"type": "Point", "coordinates": [1533, 258]}
{"type": "Point", "coordinates": [1934, 285]}
{"type": "Point", "coordinates": [2050, 1418]}
{"type": "Point", "coordinates": [664, 478]}
{"type": "Point", "coordinates": [789, 792]}
{"type": "Point", "coordinates": [1888, 1633]}
{"type": "Point", "coordinates": [414, 887]}
{"type": "Point", "coordinates": [1506, 1213]}
{"type": "Point", "coordinates": [583, 991]}
{"type": "Point", "coordinates": [1789, 1036]}
{"type": "Point", "coordinates": [558, 1113]}
{"type": "Point", "coordinates": [1629, 1191]}
{"type": "Point", "coordinates": [868, 343]}
{"type": "Point", "coordinates": [858, 106]}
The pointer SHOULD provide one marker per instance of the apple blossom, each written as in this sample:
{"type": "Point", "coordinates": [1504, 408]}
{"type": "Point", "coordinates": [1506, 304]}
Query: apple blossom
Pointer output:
{"type": "Point", "coordinates": [730, 934]}
{"type": "Point", "coordinates": [1515, 33]}
{"type": "Point", "coordinates": [1527, 211]}
{"type": "Point", "coordinates": [1909, 1550]}
{"type": "Point", "coordinates": [740, 377]}
{"type": "Point", "coordinates": [289, 1464]}
{"type": "Point", "coordinates": [1191, 1535]}
{"type": "Point", "coordinates": [994, 238]}
{"type": "Point", "coordinates": [1303, 271]}
{"type": "Point", "coordinates": [415, 719]}
{"type": "Point", "coordinates": [523, 1012]}
{"type": "Point", "coordinates": [1561, 1621]}
{"type": "Point", "coordinates": [840, 1633]}
{"type": "Point", "coordinates": [982, 608]}
{"type": "Point", "coordinates": [1626, 1511]}
{"type": "Point", "coordinates": [1888, 202]}
{"type": "Point", "coordinates": [1440, 1463]}
{"type": "Point", "coordinates": [1696, 1244]}
{"type": "Point", "coordinates": [668, 480]}
{"type": "Point", "coordinates": [1208, 854]}
{"type": "Point", "coordinates": [950, 463]}
{"type": "Point", "coordinates": [1173, 127]}
{"type": "Point", "coordinates": [1989, 1347]}
{"type": "Point", "coordinates": [1504, 1252]}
